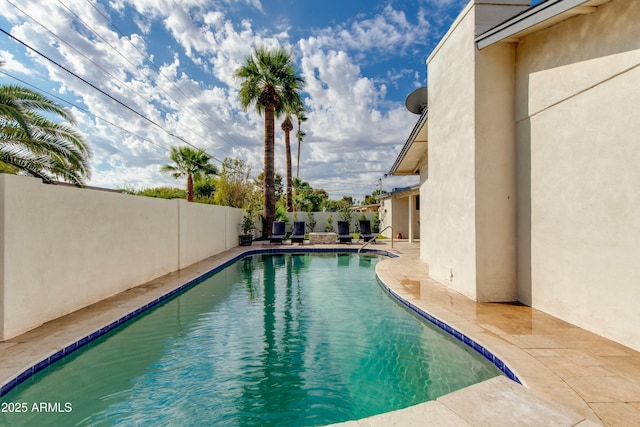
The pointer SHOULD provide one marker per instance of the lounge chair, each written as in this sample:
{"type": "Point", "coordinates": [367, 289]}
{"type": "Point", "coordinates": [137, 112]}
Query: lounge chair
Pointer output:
{"type": "Point", "coordinates": [298, 232]}
{"type": "Point", "coordinates": [343, 232]}
{"type": "Point", "coordinates": [365, 231]}
{"type": "Point", "coordinates": [277, 232]}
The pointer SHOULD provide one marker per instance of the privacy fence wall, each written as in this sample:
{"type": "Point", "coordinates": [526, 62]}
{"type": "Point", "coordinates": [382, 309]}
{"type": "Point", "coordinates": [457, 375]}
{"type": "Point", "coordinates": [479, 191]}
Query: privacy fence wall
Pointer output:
{"type": "Point", "coordinates": [63, 248]}
{"type": "Point", "coordinates": [321, 220]}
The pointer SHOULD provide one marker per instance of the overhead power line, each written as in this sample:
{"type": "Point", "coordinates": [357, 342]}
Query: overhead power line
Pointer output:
{"type": "Point", "coordinates": [158, 69]}
{"type": "Point", "coordinates": [144, 117]}
{"type": "Point", "coordinates": [108, 95]}
{"type": "Point", "coordinates": [146, 75]}
{"type": "Point", "coordinates": [84, 110]}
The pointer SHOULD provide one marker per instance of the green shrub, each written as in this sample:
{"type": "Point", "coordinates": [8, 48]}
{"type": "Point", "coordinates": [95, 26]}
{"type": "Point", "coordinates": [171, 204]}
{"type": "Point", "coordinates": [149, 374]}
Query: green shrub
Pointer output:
{"type": "Point", "coordinates": [329, 225]}
{"type": "Point", "coordinates": [375, 223]}
{"type": "Point", "coordinates": [163, 193]}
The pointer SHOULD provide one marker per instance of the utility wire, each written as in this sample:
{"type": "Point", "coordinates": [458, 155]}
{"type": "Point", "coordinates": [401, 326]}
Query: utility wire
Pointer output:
{"type": "Point", "coordinates": [84, 110]}
{"type": "Point", "coordinates": [106, 72]}
{"type": "Point", "coordinates": [205, 124]}
{"type": "Point", "coordinates": [109, 96]}
{"type": "Point", "coordinates": [189, 98]}
{"type": "Point", "coordinates": [81, 109]}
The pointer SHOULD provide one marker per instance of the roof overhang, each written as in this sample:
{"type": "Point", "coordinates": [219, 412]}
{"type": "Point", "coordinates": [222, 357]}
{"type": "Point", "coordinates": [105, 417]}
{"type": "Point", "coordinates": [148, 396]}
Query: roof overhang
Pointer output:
{"type": "Point", "coordinates": [409, 160]}
{"type": "Point", "coordinates": [536, 18]}
{"type": "Point", "coordinates": [399, 193]}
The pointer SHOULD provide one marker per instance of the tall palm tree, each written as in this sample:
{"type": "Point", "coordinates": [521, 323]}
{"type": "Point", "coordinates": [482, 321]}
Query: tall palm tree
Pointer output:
{"type": "Point", "coordinates": [287, 127]}
{"type": "Point", "coordinates": [36, 145]}
{"type": "Point", "coordinates": [300, 134]}
{"type": "Point", "coordinates": [270, 82]}
{"type": "Point", "coordinates": [189, 162]}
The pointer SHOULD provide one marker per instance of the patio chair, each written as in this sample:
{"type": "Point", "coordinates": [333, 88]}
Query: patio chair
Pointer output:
{"type": "Point", "coordinates": [277, 232]}
{"type": "Point", "coordinates": [343, 232]}
{"type": "Point", "coordinates": [365, 231]}
{"type": "Point", "coordinates": [298, 232]}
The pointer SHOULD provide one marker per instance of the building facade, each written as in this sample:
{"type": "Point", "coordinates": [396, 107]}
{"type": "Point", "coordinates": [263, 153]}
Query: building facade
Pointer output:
{"type": "Point", "coordinates": [529, 168]}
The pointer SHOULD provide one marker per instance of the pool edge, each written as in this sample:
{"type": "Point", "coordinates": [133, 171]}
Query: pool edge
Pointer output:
{"type": "Point", "coordinates": [26, 373]}
{"type": "Point", "coordinates": [466, 340]}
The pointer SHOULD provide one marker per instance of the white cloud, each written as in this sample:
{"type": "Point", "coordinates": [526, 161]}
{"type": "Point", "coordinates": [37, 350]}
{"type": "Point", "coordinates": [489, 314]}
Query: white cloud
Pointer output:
{"type": "Point", "coordinates": [387, 33]}
{"type": "Point", "coordinates": [12, 65]}
{"type": "Point", "coordinates": [352, 134]}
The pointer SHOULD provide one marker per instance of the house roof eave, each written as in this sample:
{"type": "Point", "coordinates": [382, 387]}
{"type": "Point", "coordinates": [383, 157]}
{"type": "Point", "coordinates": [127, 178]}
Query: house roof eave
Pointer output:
{"type": "Point", "coordinates": [401, 160]}
{"type": "Point", "coordinates": [536, 18]}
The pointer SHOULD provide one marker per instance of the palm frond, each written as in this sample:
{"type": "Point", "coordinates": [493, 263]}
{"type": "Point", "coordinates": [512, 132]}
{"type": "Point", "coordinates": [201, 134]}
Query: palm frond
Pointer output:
{"type": "Point", "coordinates": [36, 144]}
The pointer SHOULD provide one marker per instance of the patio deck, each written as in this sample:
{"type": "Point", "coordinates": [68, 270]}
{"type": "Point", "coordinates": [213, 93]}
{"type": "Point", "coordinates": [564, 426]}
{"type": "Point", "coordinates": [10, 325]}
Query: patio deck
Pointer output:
{"type": "Point", "coordinates": [572, 377]}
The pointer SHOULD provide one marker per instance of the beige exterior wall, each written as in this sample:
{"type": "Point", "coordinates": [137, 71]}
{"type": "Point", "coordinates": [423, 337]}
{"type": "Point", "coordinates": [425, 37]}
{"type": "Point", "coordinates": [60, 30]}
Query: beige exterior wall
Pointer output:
{"type": "Point", "coordinates": [530, 191]}
{"type": "Point", "coordinates": [63, 248]}
{"type": "Point", "coordinates": [578, 127]}
{"type": "Point", "coordinates": [386, 216]}
{"type": "Point", "coordinates": [469, 196]}
{"type": "Point", "coordinates": [449, 208]}
{"type": "Point", "coordinates": [424, 200]}
{"type": "Point", "coordinates": [495, 174]}
{"type": "Point", "coordinates": [397, 216]}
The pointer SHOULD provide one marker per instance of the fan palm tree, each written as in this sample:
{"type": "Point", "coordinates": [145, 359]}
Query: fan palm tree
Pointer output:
{"type": "Point", "coordinates": [189, 162]}
{"type": "Point", "coordinates": [300, 134]}
{"type": "Point", "coordinates": [287, 127]}
{"type": "Point", "coordinates": [270, 82]}
{"type": "Point", "coordinates": [36, 145]}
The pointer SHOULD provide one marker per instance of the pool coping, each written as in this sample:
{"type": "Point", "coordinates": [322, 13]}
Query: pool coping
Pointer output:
{"type": "Point", "coordinates": [49, 342]}
{"type": "Point", "coordinates": [46, 361]}
{"type": "Point", "coordinates": [464, 339]}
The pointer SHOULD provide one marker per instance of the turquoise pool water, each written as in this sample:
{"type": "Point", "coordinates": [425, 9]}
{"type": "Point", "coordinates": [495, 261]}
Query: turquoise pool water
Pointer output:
{"type": "Point", "coordinates": [271, 340]}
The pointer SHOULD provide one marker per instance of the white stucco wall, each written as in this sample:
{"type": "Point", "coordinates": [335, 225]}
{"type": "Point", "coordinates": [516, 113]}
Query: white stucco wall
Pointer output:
{"type": "Point", "coordinates": [386, 216]}
{"type": "Point", "coordinates": [321, 219]}
{"type": "Point", "coordinates": [397, 216]}
{"type": "Point", "coordinates": [469, 195]}
{"type": "Point", "coordinates": [448, 211]}
{"type": "Point", "coordinates": [63, 248]}
{"type": "Point", "coordinates": [495, 174]}
{"type": "Point", "coordinates": [578, 127]}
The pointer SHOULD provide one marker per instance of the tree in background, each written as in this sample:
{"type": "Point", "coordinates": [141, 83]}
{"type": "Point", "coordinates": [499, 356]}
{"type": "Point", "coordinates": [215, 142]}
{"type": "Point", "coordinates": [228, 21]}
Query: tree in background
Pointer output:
{"type": "Point", "coordinates": [307, 199]}
{"type": "Point", "coordinates": [36, 145]}
{"type": "Point", "coordinates": [270, 82]}
{"type": "Point", "coordinates": [287, 127]}
{"type": "Point", "coordinates": [279, 186]}
{"type": "Point", "coordinates": [189, 162]}
{"type": "Point", "coordinates": [372, 199]}
{"type": "Point", "coordinates": [234, 186]}
{"type": "Point", "coordinates": [300, 134]}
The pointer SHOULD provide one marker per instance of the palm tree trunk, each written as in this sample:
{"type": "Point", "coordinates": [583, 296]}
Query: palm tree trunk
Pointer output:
{"type": "Point", "coordinates": [269, 172]}
{"type": "Point", "coordinates": [287, 127]}
{"type": "Point", "coordinates": [189, 188]}
{"type": "Point", "coordinates": [287, 143]}
{"type": "Point", "coordinates": [298, 163]}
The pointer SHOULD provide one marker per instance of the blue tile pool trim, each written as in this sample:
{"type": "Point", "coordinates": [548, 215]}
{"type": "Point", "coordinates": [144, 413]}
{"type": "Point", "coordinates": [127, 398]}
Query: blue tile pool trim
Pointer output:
{"type": "Point", "coordinates": [454, 332]}
{"type": "Point", "coordinates": [29, 372]}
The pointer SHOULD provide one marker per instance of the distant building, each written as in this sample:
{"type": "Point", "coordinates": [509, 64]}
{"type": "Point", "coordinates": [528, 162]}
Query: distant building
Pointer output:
{"type": "Point", "coordinates": [528, 155]}
{"type": "Point", "coordinates": [366, 208]}
{"type": "Point", "coordinates": [400, 209]}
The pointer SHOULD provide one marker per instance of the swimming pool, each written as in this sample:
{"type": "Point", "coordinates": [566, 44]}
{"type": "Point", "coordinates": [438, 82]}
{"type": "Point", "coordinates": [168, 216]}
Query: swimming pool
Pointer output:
{"type": "Point", "coordinates": [282, 339]}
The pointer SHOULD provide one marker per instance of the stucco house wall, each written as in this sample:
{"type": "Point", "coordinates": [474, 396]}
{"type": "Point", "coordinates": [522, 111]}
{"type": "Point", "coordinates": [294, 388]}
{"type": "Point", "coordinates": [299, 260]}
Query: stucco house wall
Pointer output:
{"type": "Point", "coordinates": [578, 139]}
{"type": "Point", "coordinates": [63, 248]}
{"type": "Point", "coordinates": [470, 237]}
{"type": "Point", "coordinates": [395, 212]}
{"type": "Point", "coordinates": [449, 211]}
{"type": "Point", "coordinates": [530, 190]}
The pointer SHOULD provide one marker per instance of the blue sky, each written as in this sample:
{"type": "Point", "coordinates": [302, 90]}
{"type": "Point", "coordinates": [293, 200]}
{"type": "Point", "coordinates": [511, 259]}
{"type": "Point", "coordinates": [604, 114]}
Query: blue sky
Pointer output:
{"type": "Point", "coordinates": [172, 62]}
